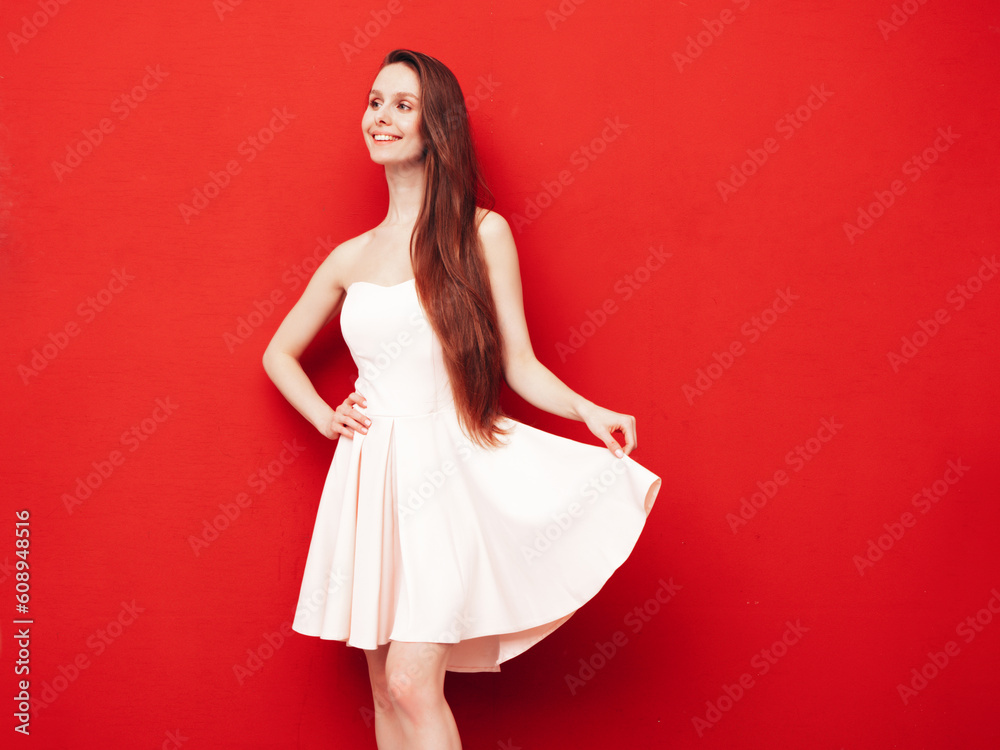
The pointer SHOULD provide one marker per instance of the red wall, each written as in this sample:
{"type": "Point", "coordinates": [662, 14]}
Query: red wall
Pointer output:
{"type": "Point", "coordinates": [818, 339]}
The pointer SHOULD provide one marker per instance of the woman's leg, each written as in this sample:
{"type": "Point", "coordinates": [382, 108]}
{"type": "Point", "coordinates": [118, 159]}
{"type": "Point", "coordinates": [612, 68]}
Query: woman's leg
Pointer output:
{"type": "Point", "coordinates": [388, 732]}
{"type": "Point", "coordinates": [415, 676]}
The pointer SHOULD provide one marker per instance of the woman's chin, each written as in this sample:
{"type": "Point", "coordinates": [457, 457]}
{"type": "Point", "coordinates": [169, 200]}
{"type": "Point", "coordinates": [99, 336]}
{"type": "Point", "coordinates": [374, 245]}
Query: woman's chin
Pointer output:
{"type": "Point", "coordinates": [395, 162]}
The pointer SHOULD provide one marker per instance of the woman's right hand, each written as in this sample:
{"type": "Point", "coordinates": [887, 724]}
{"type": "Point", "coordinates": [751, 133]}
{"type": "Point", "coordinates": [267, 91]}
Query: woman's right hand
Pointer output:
{"type": "Point", "coordinates": [346, 419]}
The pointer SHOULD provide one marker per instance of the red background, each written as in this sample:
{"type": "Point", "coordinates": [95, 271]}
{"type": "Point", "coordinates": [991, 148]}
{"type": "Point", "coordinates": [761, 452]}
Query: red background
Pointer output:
{"type": "Point", "coordinates": [171, 675]}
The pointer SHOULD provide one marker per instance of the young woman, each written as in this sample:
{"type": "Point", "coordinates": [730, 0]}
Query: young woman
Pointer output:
{"type": "Point", "coordinates": [448, 536]}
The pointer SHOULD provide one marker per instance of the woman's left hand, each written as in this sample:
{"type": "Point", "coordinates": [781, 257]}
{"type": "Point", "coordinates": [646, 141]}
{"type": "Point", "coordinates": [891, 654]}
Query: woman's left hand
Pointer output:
{"type": "Point", "coordinates": [602, 422]}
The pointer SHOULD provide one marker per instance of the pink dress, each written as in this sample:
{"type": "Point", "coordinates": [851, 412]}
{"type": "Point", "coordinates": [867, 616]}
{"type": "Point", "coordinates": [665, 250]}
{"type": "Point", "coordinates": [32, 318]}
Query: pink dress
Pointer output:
{"type": "Point", "coordinates": [421, 535]}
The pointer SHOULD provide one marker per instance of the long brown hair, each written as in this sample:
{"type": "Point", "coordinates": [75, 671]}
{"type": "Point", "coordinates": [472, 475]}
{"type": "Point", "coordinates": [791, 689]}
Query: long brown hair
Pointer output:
{"type": "Point", "coordinates": [448, 262]}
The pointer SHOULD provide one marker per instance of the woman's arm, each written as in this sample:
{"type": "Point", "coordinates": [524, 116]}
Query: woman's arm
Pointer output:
{"type": "Point", "coordinates": [528, 377]}
{"type": "Point", "coordinates": [319, 302]}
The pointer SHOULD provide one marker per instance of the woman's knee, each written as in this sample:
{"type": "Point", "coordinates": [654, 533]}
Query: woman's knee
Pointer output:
{"type": "Point", "coordinates": [415, 674]}
{"type": "Point", "coordinates": [377, 674]}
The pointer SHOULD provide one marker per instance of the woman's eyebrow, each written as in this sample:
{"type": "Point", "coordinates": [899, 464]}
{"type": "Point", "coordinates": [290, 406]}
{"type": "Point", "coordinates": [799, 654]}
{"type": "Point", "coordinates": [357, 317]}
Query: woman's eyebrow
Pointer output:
{"type": "Point", "coordinates": [399, 94]}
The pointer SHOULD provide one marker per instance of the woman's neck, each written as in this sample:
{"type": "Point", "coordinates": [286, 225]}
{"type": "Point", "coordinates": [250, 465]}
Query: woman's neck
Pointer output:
{"type": "Point", "coordinates": [406, 193]}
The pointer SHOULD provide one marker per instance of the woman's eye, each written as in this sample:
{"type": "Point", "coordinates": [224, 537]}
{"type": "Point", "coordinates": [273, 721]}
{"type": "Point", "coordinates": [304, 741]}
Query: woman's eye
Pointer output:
{"type": "Point", "coordinates": [373, 103]}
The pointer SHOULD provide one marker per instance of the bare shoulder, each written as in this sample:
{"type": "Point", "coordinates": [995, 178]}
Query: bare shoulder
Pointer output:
{"type": "Point", "coordinates": [492, 224]}
{"type": "Point", "coordinates": [497, 239]}
{"type": "Point", "coordinates": [339, 265]}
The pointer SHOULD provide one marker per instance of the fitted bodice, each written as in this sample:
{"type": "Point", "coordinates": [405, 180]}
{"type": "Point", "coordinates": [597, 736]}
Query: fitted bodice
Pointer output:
{"type": "Point", "coordinates": [401, 370]}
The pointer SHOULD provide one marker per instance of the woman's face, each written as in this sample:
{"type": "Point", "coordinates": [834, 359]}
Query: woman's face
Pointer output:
{"type": "Point", "coordinates": [391, 124]}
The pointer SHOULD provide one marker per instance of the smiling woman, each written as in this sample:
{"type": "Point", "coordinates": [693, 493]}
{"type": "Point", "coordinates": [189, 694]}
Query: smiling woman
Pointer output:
{"type": "Point", "coordinates": [393, 116]}
{"type": "Point", "coordinates": [145, 257]}
{"type": "Point", "coordinates": [434, 547]}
